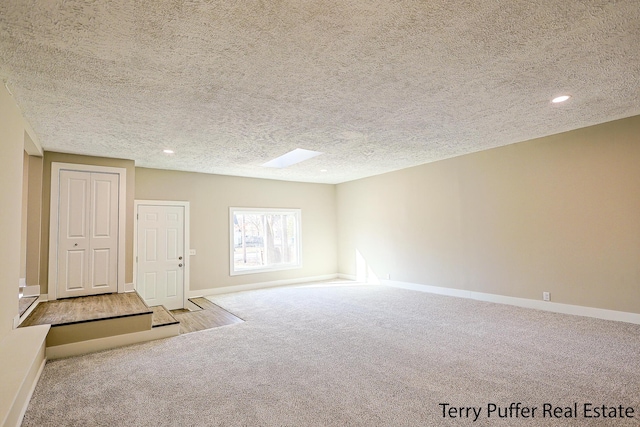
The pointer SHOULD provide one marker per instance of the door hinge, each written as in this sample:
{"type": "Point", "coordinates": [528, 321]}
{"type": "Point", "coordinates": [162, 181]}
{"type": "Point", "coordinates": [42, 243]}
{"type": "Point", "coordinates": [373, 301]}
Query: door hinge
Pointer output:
{"type": "Point", "coordinates": [136, 259]}
{"type": "Point", "coordinates": [137, 216]}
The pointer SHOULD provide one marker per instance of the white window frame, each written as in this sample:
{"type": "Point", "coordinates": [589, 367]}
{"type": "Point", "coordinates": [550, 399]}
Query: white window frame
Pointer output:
{"type": "Point", "coordinates": [264, 269]}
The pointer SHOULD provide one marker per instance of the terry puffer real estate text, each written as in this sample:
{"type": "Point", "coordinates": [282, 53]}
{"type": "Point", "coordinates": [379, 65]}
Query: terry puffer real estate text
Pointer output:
{"type": "Point", "coordinates": [546, 410]}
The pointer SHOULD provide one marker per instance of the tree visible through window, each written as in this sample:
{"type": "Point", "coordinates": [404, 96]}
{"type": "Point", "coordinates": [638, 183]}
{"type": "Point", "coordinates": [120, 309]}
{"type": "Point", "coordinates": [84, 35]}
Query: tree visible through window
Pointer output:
{"type": "Point", "coordinates": [264, 239]}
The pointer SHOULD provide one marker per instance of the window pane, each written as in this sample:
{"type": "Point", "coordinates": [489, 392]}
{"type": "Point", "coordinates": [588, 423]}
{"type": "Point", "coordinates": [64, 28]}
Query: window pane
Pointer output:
{"type": "Point", "coordinates": [264, 239]}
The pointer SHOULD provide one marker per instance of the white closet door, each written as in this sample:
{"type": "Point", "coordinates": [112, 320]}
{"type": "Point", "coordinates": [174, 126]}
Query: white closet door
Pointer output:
{"type": "Point", "coordinates": [103, 245]}
{"type": "Point", "coordinates": [73, 233]}
{"type": "Point", "coordinates": [87, 233]}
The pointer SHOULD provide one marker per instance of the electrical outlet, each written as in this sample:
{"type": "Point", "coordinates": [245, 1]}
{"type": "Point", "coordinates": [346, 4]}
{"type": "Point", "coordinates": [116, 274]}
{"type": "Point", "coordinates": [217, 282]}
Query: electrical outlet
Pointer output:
{"type": "Point", "coordinates": [546, 296]}
{"type": "Point", "coordinates": [388, 276]}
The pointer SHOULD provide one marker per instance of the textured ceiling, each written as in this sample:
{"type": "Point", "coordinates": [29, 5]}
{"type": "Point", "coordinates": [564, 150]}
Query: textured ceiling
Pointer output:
{"type": "Point", "coordinates": [375, 85]}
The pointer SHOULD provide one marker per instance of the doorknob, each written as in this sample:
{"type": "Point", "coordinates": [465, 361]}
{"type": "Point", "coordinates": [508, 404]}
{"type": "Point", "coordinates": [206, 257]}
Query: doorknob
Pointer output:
{"type": "Point", "coordinates": [179, 257]}
{"type": "Point", "coordinates": [180, 265]}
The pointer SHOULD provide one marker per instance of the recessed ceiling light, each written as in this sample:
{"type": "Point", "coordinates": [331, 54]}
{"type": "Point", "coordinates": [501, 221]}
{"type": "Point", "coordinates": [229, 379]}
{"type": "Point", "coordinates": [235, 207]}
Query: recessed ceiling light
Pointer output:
{"type": "Point", "coordinates": [323, 170]}
{"type": "Point", "coordinates": [291, 158]}
{"type": "Point", "coordinates": [168, 151]}
{"type": "Point", "coordinates": [561, 98]}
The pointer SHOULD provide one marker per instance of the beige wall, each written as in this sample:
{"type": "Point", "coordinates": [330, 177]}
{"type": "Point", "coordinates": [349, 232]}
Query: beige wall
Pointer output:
{"type": "Point", "coordinates": [12, 130]}
{"type": "Point", "coordinates": [24, 211]}
{"type": "Point", "coordinates": [558, 214]}
{"type": "Point", "coordinates": [50, 157]}
{"type": "Point", "coordinates": [34, 220]}
{"type": "Point", "coordinates": [210, 197]}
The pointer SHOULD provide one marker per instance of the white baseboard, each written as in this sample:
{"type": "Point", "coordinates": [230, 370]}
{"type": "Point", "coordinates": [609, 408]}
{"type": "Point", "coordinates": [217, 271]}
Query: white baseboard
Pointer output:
{"type": "Point", "coordinates": [22, 282]}
{"type": "Point", "coordinates": [577, 310]}
{"type": "Point", "coordinates": [32, 388]}
{"type": "Point", "coordinates": [254, 286]}
{"type": "Point", "coordinates": [347, 277]}
{"type": "Point", "coordinates": [98, 344]}
{"type": "Point", "coordinates": [129, 287]}
{"type": "Point", "coordinates": [22, 356]}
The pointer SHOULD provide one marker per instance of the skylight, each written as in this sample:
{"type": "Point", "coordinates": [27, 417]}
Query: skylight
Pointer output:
{"type": "Point", "coordinates": [291, 158]}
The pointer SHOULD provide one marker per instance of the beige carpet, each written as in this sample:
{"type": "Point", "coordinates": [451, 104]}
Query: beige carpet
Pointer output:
{"type": "Point", "coordinates": [352, 356]}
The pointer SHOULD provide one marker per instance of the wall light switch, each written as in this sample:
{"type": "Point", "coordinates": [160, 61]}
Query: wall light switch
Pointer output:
{"type": "Point", "coordinates": [192, 252]}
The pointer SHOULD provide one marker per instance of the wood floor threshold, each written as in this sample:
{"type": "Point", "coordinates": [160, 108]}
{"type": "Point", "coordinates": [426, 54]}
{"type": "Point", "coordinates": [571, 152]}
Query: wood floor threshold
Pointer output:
{"type": "Point", "coordinates": [199, 305]}
{"type": "Point", "coordinates": [204, 302]}
{"type": "Point", "coordinates": [209, 317]}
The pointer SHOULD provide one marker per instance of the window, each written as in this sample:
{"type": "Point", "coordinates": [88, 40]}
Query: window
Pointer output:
{"type": "Point", "coordinates": [264, 240]}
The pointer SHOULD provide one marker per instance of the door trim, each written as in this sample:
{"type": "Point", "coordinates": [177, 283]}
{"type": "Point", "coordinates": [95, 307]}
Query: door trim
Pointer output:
{"type": "Point", "coordinates": [187, 258]}
{"type": "Point", "coordinates": [56, 167]}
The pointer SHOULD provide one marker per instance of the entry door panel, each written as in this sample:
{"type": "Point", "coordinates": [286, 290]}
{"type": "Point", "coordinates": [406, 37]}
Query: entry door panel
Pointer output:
{"type": "Point", "coordinates": [160, 269]}
{"type": "Point", "coordinates": [87, 233]}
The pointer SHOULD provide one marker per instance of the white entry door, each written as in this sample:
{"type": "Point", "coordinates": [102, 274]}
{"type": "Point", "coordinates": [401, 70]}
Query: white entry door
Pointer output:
{"type": "Point", "coordinates": [87, 253]}
{"type": "Point", "coordinates": [160, 255]}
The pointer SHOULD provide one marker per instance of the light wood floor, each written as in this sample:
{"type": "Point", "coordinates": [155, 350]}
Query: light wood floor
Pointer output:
{"type": "Point", "coordinates": [108, 306]}
{"type": "Point", "coordinates": [162, 317]}
{"type": "Point", "coordinates": [211, 316]}
{"type": "Point", "coordinates": [85, 309]}
{"type": "Point", "coordinates": [24, 303]}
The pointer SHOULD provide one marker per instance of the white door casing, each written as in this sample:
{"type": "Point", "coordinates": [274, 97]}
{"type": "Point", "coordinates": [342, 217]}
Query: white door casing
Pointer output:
{"type": "Point", "coordinates": [86, 246]}
{"type": "Point", "coordinates": [161, 261]}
